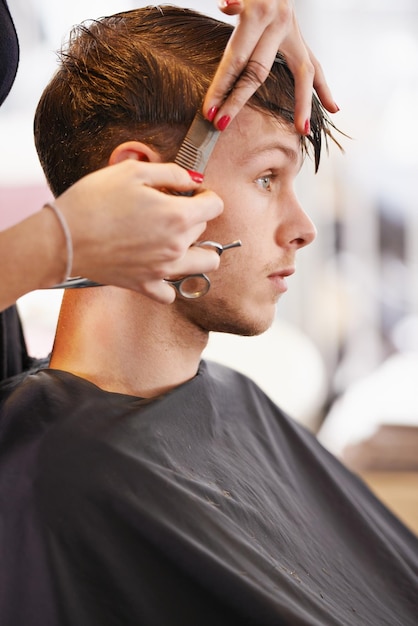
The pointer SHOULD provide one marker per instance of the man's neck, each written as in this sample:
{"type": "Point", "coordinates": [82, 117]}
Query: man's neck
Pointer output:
{"type": "Point", "coordinates": [126, 343]}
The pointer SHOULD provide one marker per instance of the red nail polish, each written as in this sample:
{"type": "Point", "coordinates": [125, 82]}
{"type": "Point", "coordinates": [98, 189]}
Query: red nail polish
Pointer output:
{"type": "Point", "coordinates": [307, 128]}
{"type": "Point", "coordinates": [212, 113]}
{"type": "Point", "coordinates": [223, 122]}
{"type": "Point", "coordinates": [196, 177]}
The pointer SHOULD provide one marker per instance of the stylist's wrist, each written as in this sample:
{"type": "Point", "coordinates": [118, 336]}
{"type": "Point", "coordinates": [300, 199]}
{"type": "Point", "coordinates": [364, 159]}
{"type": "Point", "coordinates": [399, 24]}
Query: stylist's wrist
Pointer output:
{"type": "Point", "coordinates": [54, 249]}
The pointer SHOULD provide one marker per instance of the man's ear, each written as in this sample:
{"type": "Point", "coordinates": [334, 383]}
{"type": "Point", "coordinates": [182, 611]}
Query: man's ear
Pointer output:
{"type": "Point", "coordinates": [134, 150]}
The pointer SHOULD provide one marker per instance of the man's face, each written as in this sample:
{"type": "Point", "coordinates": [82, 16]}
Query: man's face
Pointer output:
{"type": "Point", "coordinates": [253, 168]}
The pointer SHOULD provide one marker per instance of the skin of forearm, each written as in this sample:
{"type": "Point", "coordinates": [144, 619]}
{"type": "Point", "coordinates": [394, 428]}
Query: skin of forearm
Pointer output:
{"type": "Point", "coordinates": [32, 256]}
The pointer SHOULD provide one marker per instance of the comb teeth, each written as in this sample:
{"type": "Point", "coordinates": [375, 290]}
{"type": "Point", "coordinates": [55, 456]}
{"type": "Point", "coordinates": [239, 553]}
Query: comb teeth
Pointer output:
{"type": "Point", "coordinates": [198, 144]}
{"type": "Point", "coordinates": [187, 156]}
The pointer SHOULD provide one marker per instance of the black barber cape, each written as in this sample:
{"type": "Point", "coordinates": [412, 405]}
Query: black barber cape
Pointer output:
{"type": "Point", "coordinates": [204, 507]}
{"type": "Point", "coordinates": [14, 358]}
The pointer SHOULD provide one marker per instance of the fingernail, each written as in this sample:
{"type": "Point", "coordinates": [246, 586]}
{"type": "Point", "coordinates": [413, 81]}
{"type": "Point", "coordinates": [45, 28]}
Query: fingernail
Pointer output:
{"type": "Point", "coordinates": [307, 127]}
{"type": "Point", "coordinates": [212, 113]}
{"type": "Point", "coordinates": [223, 122]}
{"type": "Point", "coordinates": [337, 107]}
{"type": "Point", "coordinates": [231, 3]}
{"type": "Point", "coordinates": [196, 177]}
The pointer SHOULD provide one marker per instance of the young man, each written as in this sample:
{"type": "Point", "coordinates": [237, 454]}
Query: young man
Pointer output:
{"type": "Point", "coordinates": [140, 485]}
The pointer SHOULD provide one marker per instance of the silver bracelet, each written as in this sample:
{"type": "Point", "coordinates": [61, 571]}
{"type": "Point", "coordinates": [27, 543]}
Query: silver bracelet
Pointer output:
{"type": "Point", "coordinates": [67, 234]}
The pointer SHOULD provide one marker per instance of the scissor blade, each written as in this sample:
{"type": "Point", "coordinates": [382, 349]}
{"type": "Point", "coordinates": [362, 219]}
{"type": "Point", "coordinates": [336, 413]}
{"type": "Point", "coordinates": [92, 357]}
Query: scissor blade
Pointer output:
{"type": "Point", "coordinates": [198, 144]}
{"type": "Point", "coordinates": [76, 282]}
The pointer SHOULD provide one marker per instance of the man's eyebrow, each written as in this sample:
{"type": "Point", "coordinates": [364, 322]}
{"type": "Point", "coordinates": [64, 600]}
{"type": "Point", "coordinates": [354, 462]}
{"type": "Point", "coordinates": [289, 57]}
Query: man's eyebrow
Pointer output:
{"type": "Point", "coordinates": [293, 155]}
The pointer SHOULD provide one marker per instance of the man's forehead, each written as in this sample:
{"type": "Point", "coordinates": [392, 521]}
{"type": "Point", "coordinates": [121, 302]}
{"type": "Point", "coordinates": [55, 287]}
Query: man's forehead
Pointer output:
{"type": "Point", "coordinates": [254, 133]}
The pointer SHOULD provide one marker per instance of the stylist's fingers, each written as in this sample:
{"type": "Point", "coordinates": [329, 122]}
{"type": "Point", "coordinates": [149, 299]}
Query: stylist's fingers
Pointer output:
{"type": "Point", "coordinates": [321, 86]}
{"type": "Point", "coordinates": [196, 210]}
{"type": "Point", "coordinates": [251, 77]}
{"type": "Point", "coordinates": [299, 62]}
{"type": "Point", "coordinates": [184, 220]}
{"type": "Point", "coordinates": [159, 291]}
{"type": "Point", "coordinates": [197, 260]}
{"type": "Point", "coordinates": [255, 19]}
{"type": "Point", "coordinates": [165, 176]}
{"type": "Point", "coordinates": [231, 7]}
{"type": "Point", "coordinates": [264, 27]}
{"type": "Point", "coordinates": [308, 74]}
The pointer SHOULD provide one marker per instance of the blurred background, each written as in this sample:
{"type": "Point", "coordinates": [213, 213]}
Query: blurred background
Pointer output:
{"type": "Point", "coordinates": [342, 356]}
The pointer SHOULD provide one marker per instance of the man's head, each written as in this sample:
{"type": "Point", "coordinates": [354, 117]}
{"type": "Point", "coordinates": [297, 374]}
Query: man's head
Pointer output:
{"type": "Point", "coordinates": [131, 83]}
{"type": "Point", "coordinates": [139, 75]}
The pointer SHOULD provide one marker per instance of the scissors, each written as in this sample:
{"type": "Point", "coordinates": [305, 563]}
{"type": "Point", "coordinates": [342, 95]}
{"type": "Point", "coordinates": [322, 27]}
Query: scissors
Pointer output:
{"type": "Point", "coordinates": [193, 154]}
{"type": "Point", "coordinates": [197, 285]}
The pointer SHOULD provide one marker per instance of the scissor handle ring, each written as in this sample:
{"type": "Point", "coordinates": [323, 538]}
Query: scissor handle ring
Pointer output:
{"type": "Point", "coordinates": [180, 286]}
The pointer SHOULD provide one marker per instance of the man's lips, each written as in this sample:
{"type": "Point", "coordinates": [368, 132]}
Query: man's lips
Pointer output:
{"type": "Point", "coordinates": [279, 278]}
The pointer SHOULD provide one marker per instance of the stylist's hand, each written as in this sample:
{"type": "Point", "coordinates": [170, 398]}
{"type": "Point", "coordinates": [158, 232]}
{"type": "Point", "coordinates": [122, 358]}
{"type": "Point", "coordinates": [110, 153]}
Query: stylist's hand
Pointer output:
{"type": "Point", "coordinates": [264, 27]}
{"type": "Point", "coordinates": [128, 233]}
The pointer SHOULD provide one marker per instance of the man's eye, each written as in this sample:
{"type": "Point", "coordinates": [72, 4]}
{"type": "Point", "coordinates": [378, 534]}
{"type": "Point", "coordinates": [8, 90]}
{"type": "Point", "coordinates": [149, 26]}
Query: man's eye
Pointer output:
{"type": "Point", "coordinates": [264, 181]}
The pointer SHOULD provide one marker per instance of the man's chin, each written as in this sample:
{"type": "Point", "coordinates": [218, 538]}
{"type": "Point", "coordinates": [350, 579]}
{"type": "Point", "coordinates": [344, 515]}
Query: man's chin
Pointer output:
{"type": "Point", "coordinates": [234, 320]}
{"type": "Point", "coordinates": [243, 327]}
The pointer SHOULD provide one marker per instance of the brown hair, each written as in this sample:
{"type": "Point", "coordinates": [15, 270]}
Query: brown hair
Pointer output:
{"type": "Point", "coordinates": [141, 75]}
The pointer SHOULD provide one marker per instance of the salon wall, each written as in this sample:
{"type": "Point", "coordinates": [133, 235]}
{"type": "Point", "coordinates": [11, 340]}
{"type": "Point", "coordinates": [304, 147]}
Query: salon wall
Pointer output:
{"type": "Point", "coordinates": [354, 299]}
{"type": "Point", "coordinates": [365, 202]}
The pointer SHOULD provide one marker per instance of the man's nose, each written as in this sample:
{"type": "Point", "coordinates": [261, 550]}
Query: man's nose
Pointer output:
{"type": "Point", "coordinates": [307, 232]}
{"type": "Point", "coordinates": [296, 229]}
